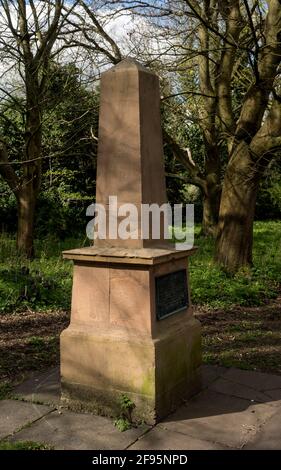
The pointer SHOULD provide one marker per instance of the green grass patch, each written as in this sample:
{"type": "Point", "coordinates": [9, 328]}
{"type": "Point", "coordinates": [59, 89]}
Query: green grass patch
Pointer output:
{"type": "Point", "coordinates": [5, 390]}
{"type": "Point", "coordinates": [23, 445]}
{"type": "Point", "coordinates": [213, 288]}
{"type": "Point", "coordinates": [41, 284]}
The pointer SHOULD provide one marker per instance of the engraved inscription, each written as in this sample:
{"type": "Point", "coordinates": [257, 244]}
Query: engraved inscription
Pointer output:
{"type": "Point", "coordinates": [171, 293]}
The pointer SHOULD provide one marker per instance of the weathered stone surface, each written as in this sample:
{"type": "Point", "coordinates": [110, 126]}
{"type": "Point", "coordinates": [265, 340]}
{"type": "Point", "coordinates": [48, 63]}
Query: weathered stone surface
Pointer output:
{"type": "Point", "coordinates": [269, 437]}
{"type": "Point", "coordinates": [219, 418]}
{"type": "Point", "coordinates": [229, 387]}
{"type": "Point", "coordinates": [90, 295]}
{"type": "Point", "coordinates": [109, 296]}
{"type": "Point", "coordinates": [155, 374]}
{"type": "Point", "coordinates": [159, 439]}
{"type": "Point", "coordinates": [130, 153]}
{"type": "Point", "coordinates": [275, 395]}
{"type": "Point", "coordinates": [16, 414]}
{"type": "Point", "coordinates": [115, 255]}
{"type": "Point", "coordinates": [130, 300]}
{"type": "Point", "coordinates": [211, 373]}
{"type": "Point", "coordinates": [73, 431]}
{"type": "Point", "coordinates": [215, 421]}
{"type": "Point", "coordinates": [256, 380]}
{"type": "Point", "coordinates": [41, 387]}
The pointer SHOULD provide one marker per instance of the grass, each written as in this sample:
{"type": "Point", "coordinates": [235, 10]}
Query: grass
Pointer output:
{"type": "Point", "coordinates": [213, 288]}
{"type": "Point", "coordinates": [45, 283]}
{"type": "Point", "coordinates": [41, 284]}
{"type": "Point", "coordinates": [23, 445]}
{"type": "Point", "coordinates": [5, 390]}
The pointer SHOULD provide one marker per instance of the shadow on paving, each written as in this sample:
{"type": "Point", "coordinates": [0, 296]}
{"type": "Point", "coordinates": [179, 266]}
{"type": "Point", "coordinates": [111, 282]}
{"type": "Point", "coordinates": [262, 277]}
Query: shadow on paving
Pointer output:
{"type": "Point", "coordinates": [235, 410]}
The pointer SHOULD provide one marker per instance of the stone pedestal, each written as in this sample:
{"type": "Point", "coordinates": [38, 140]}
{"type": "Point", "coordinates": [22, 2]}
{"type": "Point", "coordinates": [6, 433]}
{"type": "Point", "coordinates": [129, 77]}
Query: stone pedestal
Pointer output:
{"type": "Point", "coordinates": [115, 344]}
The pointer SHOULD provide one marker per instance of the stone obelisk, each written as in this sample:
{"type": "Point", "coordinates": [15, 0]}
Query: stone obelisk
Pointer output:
{"type": "Point", "coordinates": [132, 331]}
{"type": "Point", "coordinates": [130, 155]}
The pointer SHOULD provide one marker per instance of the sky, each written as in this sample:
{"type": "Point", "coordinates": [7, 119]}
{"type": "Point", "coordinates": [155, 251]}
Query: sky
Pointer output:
{"type": "Point", "coordinates": [120, 27]}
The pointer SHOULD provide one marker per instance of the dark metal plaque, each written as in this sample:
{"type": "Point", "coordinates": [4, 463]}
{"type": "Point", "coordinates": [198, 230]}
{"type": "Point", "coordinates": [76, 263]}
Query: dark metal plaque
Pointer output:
{"type": "Point", "coordinates": [171, 293]}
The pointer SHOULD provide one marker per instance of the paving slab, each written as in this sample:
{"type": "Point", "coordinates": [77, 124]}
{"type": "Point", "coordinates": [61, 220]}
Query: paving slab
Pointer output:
{"type": "Point", "coordinates": [41, 387]}
{"type": "Point", "coordinates": [228, 387]}
{"type": "Point", "coordinates": [16, 414]}
{"type": "Point", "coordinates": [275, 395]}
{"type": "Point", "coordinates": [255, 380]}
{"type": "Point", "coordinates": [236, 409]}
{"type": "Point", "coordinates": [219, 418]}
{"type": "Point", "coordinates": [209, 374]}
{"type": "Point", "coordinates": [269, 437]}
{"type": "Point", "coordinates": [76, 431]}
{"type": "Point", "coordinates": [161, 439]}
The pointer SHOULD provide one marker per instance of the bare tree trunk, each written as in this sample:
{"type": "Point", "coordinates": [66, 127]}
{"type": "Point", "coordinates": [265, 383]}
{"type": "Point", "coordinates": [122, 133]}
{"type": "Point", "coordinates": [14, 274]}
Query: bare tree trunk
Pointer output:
{"type": "Point", "coordinates": [210, 217]}
{"type": "Point", "coordinates": [212, 189]}
{"type": "Point", "coordinates": [237, 210]}
{"type": "Point", "coordinates": [33, 51]}
{"type": "Point", "coordinates": [26, 213]}
{"type": "Point", "coordinates": [28, 193]}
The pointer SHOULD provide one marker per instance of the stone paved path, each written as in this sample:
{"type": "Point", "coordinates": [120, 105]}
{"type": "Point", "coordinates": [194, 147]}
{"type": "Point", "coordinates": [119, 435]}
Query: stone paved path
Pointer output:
{"type": "Point", "coordinates": [235, 410]}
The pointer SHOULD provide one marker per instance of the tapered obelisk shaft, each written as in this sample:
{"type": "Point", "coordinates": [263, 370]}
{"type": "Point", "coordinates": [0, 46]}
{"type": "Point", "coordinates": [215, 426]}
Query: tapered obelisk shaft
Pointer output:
{"type": "Point", "coordinates": [130, 151]}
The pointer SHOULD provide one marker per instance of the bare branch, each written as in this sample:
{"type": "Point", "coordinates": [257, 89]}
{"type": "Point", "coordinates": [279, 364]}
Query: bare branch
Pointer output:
{"type": "Point", "coordinates": [185, 158]}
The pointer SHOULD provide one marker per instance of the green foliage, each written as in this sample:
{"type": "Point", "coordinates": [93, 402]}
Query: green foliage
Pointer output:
{"type": "Point", "coordinates": [124, 421]}
{"type": "Point", "coordinates": [5, 390]}
{"type": "Point", "coordinates": [8, 208]}
{"type": "Point", "coordinates": [122, 424]}
{"type": "Point", "coordinates": [216, 289]}
{"type": "Point", "coordinates": [127, 405]}
{"type": "Point", "coordinates": [68, 185]}
{"type": "Point", "coordinates": [269, 196]}
{"type": "Point", "coordinates": [70, 118]}
{"type": "Point", "coordinates": [37, 342]}
{"type": "Point", "coordinates": [41, 284]}
{"type": "Point", "coordinates": [23, 445]}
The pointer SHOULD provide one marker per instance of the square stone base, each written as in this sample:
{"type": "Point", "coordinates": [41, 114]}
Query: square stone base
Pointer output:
{"type": "Point", "coordinates": [117, 345]}
{"type": "Point", "coordinates": [97, 368]}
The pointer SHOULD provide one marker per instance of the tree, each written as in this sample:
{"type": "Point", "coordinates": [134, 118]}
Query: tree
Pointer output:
{"type": "Point", "coordinates": [68, 154]}
{"type": "Point", "coordinates": [167, 39]}
{"type": "Point", "coordinates": [32, 33]}
{"type": "Point", "coordinates": [252, 140]}
{"type": "Point", "coordinates": [227, 42]}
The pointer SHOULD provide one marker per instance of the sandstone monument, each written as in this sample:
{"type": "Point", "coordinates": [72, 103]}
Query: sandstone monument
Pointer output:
{"type": "Point", "coordinates": [132, 331]}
